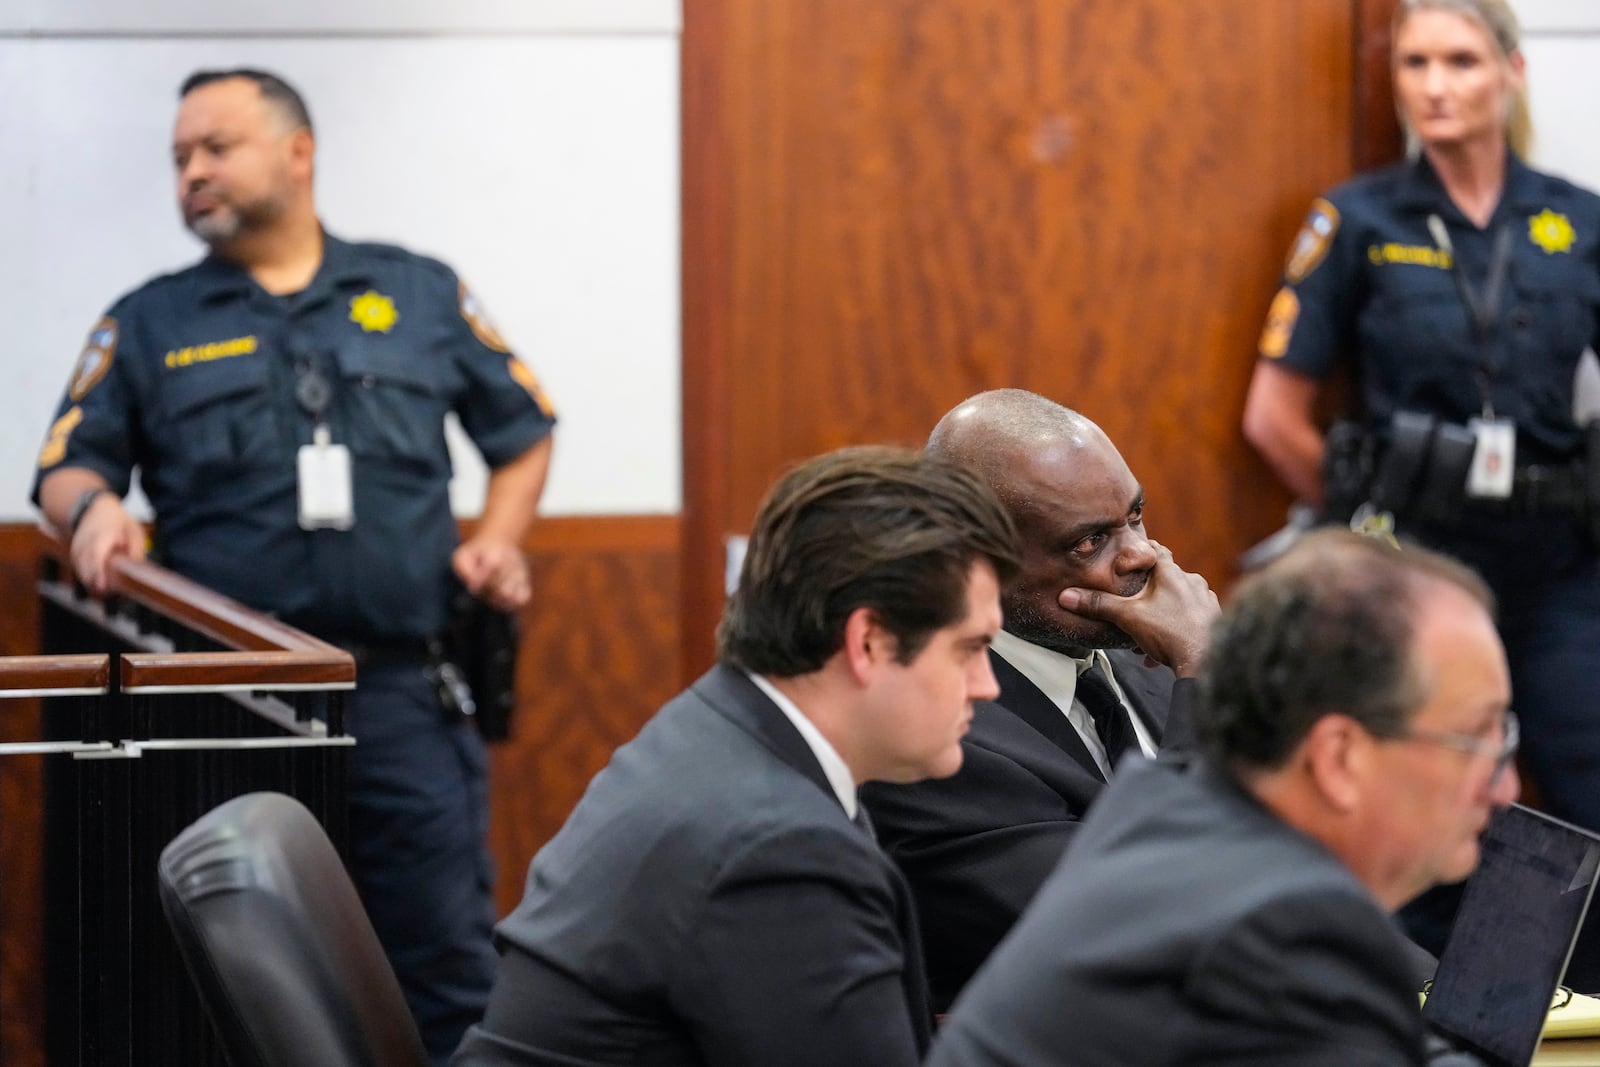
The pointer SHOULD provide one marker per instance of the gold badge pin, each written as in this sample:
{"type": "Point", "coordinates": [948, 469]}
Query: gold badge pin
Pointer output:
{"type": "Point", "coordinates": [373, 312]}
{"type": "Point", "coordinates": [1551, 231]}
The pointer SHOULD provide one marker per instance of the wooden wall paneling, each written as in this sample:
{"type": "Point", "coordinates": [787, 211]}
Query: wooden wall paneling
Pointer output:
{"type": "Point", "coordinates": [1376, 136]}
{"type": "Point", "coordinates": [708, 272]}
{"type": "Point", "coordinates": [599, 655]}
{"type": "Point", "coordinates": [21, 895]}
{"type": "Point", "coordinates": [891, 206]}
{"type": "Point", "coordinates": [21, 823]}
{"type": "Point", "coordinates": [1257, 127]}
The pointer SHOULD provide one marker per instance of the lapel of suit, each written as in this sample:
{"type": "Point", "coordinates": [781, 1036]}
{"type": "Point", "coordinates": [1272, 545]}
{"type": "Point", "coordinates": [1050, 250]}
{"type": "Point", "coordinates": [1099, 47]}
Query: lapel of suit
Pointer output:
{"type": "Point", "coordinates": [1030, 704]}
{"type": "Point", "coordinates": [914, 973]}
{"type": "Point", "coordinates": [733, 695]}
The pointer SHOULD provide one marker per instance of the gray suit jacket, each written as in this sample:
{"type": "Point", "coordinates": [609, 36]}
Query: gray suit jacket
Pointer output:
{"type": "Point", "coordinates": [1188, 925]}
{"type": "Point", "coordinates": [976, 847]}
{"type": "Point", "coordinates": [709, 902]}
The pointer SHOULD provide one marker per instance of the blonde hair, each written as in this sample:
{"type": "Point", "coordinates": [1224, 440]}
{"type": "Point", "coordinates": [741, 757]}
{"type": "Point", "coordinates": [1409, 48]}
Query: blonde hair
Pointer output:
{"type": "Point", "coordinates": [1500, 23]}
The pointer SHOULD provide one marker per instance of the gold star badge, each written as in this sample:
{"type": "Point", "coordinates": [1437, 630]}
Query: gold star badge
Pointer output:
{"type": "Point", "coordinates": [1551, 232]}
{"type": "Point", "coordinates": [373, 311]}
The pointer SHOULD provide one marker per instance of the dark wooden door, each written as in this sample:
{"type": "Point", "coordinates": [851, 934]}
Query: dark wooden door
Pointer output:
{"type": "Point", "coordinates": [892, 204]}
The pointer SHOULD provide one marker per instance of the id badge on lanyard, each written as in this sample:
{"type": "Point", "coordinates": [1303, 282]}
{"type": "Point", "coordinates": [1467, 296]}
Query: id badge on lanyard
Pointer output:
{"type": "Point", "coordinates": [1494, 458]}
{"type": "Point", "coordinates": [326, 500]}
{"type": "Point", "coordinates": [1492, 472]}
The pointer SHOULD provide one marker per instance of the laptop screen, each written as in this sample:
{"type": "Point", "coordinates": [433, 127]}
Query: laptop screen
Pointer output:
{"type": "Point", "coordinates": [1519, 916]}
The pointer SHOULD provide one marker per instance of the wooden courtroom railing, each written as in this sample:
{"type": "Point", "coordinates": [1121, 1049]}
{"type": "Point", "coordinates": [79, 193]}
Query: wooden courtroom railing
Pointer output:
{"type": "Point", "coordinates": [159, 701]}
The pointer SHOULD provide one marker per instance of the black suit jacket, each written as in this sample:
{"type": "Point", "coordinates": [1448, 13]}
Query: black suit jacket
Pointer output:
{"type": "Point", "coordinates": [1190, 926]}
{"type": "Point", "coordinates": [709, 902]}
{"type": "Point", "coordinates": [977, 846]}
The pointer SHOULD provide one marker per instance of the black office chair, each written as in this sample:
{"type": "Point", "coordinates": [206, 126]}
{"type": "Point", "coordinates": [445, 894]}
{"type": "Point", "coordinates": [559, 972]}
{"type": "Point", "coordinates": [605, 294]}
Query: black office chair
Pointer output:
{"type": "Point", "coordinates": [277, 943]}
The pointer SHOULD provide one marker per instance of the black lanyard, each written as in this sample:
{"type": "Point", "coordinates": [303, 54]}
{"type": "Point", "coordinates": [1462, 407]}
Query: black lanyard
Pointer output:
{"type": "Point", "coordinates": [1483, 307]}
{"type": "Point", "coordinates": [312, 390]}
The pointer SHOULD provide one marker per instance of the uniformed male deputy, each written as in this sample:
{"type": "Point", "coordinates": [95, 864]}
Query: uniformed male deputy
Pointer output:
{"type": "Point", "coordinates": [284, 402]}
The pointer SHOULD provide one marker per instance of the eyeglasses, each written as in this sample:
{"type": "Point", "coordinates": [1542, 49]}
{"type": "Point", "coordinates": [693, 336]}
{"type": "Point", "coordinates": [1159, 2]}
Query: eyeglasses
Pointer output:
{"type": "Point", "coordinates": [1502, 752]}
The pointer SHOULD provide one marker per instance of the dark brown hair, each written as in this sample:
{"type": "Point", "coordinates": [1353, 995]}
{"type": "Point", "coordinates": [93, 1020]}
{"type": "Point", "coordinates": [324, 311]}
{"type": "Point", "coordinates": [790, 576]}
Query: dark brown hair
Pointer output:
{"type": "Point", "coordinates": [1326, 628]}
{"type": "Point", "coordinates": [277, 92]}
{"type": "Point", "coordinates": [887, 529]}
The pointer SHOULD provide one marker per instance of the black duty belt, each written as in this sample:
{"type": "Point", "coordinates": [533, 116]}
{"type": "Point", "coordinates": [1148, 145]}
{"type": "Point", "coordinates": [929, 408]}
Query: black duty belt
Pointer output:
{"type": "Point", "coordinates": [1417, 469]}
{"type": "Point", "coordinates": [1538, 489]}
{"type": "Point", "coordinates": [385, 652]}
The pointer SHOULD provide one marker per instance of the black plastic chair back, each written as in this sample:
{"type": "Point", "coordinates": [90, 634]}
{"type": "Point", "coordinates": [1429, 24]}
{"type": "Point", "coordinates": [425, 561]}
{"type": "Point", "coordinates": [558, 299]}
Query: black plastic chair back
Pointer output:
{"type": "Point", "coordinates": [275, 938]}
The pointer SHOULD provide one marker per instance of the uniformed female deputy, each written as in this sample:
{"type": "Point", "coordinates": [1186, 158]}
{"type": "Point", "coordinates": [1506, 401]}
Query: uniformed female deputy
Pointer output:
{"type": "Point", "coordinates": [1464, 286]}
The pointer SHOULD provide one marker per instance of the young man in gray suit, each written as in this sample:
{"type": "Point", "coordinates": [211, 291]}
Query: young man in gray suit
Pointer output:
{"type": "Point", "coordinates": [1080, 682]}
{"type": "Point", "coordinates": [1353, 718]}
{"type": "Point", "coordinates": [717, 897]}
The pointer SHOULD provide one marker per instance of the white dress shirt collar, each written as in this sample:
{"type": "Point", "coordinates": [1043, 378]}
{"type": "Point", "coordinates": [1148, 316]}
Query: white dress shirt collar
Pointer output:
{"type": "Point", "coordinates": [833, 765]}
{"type": "Point", "coordinates": [1056, 676]}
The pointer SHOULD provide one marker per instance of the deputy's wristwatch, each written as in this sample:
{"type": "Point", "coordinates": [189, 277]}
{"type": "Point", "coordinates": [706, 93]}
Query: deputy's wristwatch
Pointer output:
{"type": "Point", "coordinates": [80, 508]}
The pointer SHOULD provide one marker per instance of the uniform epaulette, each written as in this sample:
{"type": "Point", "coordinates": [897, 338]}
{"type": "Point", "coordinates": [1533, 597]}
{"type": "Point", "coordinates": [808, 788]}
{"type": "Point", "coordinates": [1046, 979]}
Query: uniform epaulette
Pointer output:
{"type": "Point", "coordinates": [1560, 186]}
{"type": "Point", "coordinates": [159, 282]}
{"type": "Point", "coordinates": [1364, 184]}
{"type": "Point", "coordinates": [399, 254]}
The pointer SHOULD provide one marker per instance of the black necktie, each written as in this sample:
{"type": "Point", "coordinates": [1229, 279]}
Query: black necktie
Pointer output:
{"type": "Point", "coordinates": [1111, 719]}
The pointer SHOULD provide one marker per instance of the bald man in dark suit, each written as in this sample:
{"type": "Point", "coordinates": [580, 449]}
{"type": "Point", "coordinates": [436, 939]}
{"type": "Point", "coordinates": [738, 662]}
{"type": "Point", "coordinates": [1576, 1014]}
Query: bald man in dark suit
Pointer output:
{"type": "Point", "coordinates": [1101, 630]}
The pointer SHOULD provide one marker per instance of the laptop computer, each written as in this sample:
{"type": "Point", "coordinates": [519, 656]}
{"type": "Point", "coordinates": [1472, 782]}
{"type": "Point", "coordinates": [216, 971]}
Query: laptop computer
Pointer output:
{"type": "Point", "coordinates": [1519, 917]}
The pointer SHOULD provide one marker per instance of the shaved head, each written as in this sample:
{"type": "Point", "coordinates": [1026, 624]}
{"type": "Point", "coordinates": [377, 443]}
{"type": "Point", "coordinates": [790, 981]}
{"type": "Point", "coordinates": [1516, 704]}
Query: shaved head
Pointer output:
{"type": "Point", "coordinates": [1078, 509]}
{"type": "Point", "coordinates": [991, 432]}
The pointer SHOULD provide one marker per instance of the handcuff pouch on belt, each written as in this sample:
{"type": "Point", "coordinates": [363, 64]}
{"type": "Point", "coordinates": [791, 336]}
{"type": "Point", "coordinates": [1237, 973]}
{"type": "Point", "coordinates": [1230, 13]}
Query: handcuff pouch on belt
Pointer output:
{"type": "Point", "coordinates": [475, 664]}
{"type": "Point", "coordinates": [1423, 473]}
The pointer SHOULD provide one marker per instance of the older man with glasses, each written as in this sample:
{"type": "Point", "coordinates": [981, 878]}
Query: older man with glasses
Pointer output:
{"type": "Point", "coordinates": [1504, 750]}
{"type": "Point", "coordinates": [1356, 737]}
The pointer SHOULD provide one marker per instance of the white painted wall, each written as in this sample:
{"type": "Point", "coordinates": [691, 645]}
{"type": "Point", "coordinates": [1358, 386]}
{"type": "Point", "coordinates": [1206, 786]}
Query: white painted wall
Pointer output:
{"type": "Point", "coordinates": [533, 144]}
{"type": "Point", "coordinates": [1561, 39]}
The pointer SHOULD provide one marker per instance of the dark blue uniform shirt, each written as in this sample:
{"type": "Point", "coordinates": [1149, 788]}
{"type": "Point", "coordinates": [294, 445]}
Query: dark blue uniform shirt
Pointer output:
{"type": "Point", "coordinates": [1366, 279]}
{"type": "Point", "coordinates": [192, 379]}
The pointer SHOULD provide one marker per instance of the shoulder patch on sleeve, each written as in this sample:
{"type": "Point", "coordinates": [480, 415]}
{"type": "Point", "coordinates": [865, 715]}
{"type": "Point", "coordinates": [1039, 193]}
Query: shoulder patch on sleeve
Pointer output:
{"type": "Point", "coordinates": [1281, 317]}
{"type": "Point", "coordinates": [525, 377]}
{"type": "Point", "coordinates": [55, 445]}
{"type": "Point", "coordinates": [95, 359]}
{"type": "Point", "coordinates": [1311, 244]}
{"type": "Point", "coordinates": [478, 319]}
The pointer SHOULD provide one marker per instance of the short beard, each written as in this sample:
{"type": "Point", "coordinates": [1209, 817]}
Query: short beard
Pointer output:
{"type": "Point", "coordinates": [227, 224]}
{"type": "Point", "coordinates": [1024, 619]}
